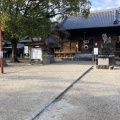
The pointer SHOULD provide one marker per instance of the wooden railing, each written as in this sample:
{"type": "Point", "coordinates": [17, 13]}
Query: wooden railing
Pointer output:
{"type": "Point", "coordinates": [64, 53]}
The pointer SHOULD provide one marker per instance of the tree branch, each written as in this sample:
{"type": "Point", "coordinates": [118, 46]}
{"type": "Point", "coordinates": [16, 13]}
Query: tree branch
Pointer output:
{"type": "Point", "coordinates": [29, 7]}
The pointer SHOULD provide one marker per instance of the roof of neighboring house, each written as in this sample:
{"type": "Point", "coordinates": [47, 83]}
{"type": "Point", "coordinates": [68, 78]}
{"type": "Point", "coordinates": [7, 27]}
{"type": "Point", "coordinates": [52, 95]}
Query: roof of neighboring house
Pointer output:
{"type": "Point", "coordinates": [25, 41]}
{"type": "Point", "coordinates": [10, 46]}
{"type": "Point", "coordinates": [103, 18]}
{"type": "Point", "coordinates": [28, 40]}
{"type": "Point", "coordinates": [53, 41]}
{"type": "Point", "coordinates": [35, 44]}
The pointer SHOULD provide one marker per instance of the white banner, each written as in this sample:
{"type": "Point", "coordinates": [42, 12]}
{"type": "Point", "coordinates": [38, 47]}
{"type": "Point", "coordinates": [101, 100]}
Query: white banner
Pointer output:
{"type": "Point", "coordinates": [95, 51]}
{"type": "Point", "coordinates": [26, 50]}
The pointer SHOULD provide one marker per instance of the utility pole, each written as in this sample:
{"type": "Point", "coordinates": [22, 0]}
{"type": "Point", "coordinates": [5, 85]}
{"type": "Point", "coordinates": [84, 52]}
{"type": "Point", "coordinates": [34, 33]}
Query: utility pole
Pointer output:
{"type": "Point", "coordinates": [1, 49]}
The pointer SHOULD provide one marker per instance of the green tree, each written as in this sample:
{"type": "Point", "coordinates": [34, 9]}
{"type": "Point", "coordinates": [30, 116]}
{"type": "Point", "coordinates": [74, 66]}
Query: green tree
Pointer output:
{"type": "Point", "coordinates": [31, 18]}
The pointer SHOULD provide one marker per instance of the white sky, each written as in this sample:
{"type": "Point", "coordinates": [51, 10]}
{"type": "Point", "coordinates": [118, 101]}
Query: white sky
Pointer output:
{"type": "Point", "coordinates": [104, 4]}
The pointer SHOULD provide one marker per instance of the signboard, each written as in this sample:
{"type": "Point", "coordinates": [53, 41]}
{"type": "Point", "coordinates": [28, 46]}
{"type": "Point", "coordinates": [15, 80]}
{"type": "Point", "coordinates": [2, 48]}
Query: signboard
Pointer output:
{"type": "Point", "coordinates": [26, 50]}
{"type": "Point", "coordinates": [103, 61]}
{"type": "Point", "coordinates": [85, 41]}
{"type": "Point", "coordinates": [36, 53]}
{"type": "Point", "coordinates": [1, 54]}
{"type": "Point", "coordinates": [95, 51]}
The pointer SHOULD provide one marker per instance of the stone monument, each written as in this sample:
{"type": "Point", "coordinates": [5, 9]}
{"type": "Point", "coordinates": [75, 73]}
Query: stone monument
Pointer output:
{"type": "Point", "coordinates": [106, 57]}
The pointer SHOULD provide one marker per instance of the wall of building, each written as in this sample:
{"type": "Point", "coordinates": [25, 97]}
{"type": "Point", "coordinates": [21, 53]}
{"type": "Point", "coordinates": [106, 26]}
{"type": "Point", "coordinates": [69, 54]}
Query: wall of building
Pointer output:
{"type": "Point", "coordinates": [92, 35]}
{"type": "Point", "coordinates": [75, 43]}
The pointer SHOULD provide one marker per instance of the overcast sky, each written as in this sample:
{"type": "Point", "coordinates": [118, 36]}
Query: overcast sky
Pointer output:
{"type": "Point", "coordinates": [104, 4]}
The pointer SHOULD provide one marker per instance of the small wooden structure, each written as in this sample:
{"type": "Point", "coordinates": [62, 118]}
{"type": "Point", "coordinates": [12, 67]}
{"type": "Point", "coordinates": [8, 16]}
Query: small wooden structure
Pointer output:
{"type": "Point", "coordinates": [64, 53]}
{"type": "Point", "coordinates": [40, 51]}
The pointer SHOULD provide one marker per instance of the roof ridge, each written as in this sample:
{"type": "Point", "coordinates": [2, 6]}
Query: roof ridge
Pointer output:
{"type": "Point", "coordinates": [105, 10]}
{"type": "Point", "coordinates": [100, 18]}
{"type": "Point", "coordinates": [96, 12]}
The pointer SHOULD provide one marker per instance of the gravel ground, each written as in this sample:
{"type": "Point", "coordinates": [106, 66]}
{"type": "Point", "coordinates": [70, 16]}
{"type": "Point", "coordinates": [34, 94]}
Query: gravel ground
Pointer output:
{"type": "Point", "coordinates": [25, 88]}
{"type": "Point", "coordinates": [95, 97]}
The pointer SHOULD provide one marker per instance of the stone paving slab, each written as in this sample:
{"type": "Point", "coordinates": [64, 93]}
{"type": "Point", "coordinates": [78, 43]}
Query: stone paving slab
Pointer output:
{"type": "Point", "coordinates": [25, 88]}
{"type": "Point", "coordinates": [95, 97]}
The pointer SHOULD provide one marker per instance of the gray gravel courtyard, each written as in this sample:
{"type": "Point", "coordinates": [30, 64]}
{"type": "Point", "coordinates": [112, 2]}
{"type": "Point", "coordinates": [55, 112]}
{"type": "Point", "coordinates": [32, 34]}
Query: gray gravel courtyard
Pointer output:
{"type": "Point", "coordinates": [25, 88]}
{"type": "Point", "coordinates": [95, 97]}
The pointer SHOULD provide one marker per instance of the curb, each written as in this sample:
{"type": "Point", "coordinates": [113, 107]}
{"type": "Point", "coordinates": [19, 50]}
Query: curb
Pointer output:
{"type": "Point", "coordinates": [39, 111]}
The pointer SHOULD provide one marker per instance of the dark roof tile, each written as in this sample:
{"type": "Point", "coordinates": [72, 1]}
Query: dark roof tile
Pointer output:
{"type": "Point", "coordinates": [104, 18]}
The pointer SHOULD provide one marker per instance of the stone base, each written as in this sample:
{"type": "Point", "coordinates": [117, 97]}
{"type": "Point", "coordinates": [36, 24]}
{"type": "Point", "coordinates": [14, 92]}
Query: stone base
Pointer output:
{"type": "Point", "coordinates": [103, 61]}
{"type": "Point", "coordinates": [83, 56]}
{"type": "Point", "coordinates": [35, 61]}
{"type": "Point", "coordinates": [52, 59]}
{"type": "Point", "coordinates": [112, 61]}
{"type": "Point", "coordinates": [46, 59]}
{"type": "Point", "coordinates": [102, 67]}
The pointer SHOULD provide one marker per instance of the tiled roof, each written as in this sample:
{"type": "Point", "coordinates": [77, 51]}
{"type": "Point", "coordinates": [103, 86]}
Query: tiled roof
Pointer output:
{"type": "Point", "coordinates": [52, 40]}
{"type": "Point", "coordinates": [104, 18]}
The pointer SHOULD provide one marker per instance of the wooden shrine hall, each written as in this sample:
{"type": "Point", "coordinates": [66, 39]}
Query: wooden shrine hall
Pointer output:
{"type": "Point", "coordinates": [86, 33]}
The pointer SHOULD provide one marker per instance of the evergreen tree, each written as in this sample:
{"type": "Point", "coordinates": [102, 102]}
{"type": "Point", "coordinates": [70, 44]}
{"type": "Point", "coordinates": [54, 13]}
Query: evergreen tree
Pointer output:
{"type": "Point", "coordinates": [31, 18]}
